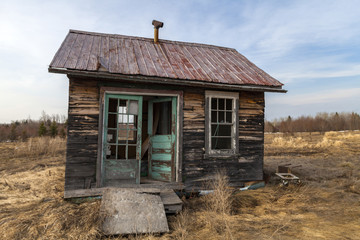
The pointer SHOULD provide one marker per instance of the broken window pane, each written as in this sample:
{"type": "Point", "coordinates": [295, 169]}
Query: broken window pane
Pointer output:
{"type": "Point", "coordinates": [112, 120]}
{"type": "Point", "coordinates": [121, 152]}
{"type": "Point", "coordinates": [113, 102]}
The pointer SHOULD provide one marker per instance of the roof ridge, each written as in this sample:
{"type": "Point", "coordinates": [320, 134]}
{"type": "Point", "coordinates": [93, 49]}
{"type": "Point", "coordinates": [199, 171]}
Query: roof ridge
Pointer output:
{"type": "Point", "coordinates": [151, 39]}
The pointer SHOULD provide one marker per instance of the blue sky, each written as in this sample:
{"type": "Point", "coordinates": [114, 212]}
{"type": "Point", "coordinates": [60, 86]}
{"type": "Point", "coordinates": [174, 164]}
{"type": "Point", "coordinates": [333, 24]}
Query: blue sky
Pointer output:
{"type": "Point", "coordinates": [312, 46]}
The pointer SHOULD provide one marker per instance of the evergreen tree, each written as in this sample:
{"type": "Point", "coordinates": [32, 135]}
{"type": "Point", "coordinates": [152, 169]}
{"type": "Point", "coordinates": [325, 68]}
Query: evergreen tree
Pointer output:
{"type": "Point", "coordinates": [13, 132]}
{"type": "Point", "coordinates": [53, 129]}
{"type": "Point", "coordinates": [42, 129]}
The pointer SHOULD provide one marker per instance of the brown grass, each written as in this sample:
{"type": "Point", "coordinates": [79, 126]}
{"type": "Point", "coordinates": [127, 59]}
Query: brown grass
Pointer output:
{"type": "Point", "coordinates": [326, 206]}
{"type": "Point", "coordinates": [40, 146]}
{"type": "Point", "coordinates": [31, 200]}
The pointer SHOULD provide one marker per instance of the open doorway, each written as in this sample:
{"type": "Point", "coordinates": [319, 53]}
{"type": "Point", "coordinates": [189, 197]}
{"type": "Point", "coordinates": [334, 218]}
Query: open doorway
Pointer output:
{"type": "Point", "coordinates": [140, 134]}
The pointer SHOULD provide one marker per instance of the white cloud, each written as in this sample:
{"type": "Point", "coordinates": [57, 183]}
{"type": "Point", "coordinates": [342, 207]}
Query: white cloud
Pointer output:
{"type": "Point", "coordinates": [315, 98]}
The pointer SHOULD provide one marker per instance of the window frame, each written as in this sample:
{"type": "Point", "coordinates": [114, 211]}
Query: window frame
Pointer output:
{"type": "Point", "coordinates": [234, 96]}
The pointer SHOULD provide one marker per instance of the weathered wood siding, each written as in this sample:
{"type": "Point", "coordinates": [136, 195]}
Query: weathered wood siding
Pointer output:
{"type": "Point", "coordinates": [83, 124]}
{"type": "Point", "coordinates": [248, 165]}
{"type": "Point", "coordinates": [83, 118]}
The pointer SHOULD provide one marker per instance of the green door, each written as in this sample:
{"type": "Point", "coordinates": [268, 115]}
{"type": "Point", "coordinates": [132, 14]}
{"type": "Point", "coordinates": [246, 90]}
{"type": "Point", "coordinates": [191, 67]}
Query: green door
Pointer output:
{"type": "Point", "coordinates": [122, 140]}
{"type": "Point", "coordinates": [162, 130]}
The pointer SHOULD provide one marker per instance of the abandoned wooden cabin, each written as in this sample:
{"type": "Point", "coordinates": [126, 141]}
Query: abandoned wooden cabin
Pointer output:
{"type": "Point", "coordinates": [147, 111]}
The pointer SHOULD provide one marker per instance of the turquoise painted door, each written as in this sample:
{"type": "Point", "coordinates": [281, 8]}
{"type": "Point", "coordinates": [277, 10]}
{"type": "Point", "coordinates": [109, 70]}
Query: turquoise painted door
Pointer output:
{"type": "Point", "coordinates": [162, 129]}
{"type": "Point", "coordinates": [122, 140]}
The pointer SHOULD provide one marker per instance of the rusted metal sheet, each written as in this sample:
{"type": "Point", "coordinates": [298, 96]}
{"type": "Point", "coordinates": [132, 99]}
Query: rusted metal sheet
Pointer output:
{"type": "Point", "coordinates": [168, 59]}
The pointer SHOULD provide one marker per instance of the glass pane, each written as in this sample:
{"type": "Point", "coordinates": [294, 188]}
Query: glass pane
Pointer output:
{"type": "Point", "coordinates": [214, 129]}
{"type": "Point", "coordinates": [112, 120]}
{"type": "Point", "coordinates": [220, 143]}
{"type": "Point", "coordinates": [221, 104]}
{"type": "Point", "coordinates": [113, 104]}
{"type": "Point", "coordinates": [121, 152]}
{"type": "Point", "coordinates": [225, 130]}
{"type": "Point", "coordinates": [228, 117]}
{"type": "Point", "coordinates": [111, 136]}
{"type": "Point", "coordinates": [229, 104]}
{"type": "Point", "coordinates": [131, 118]}
{"type": "Point", "coordinates": [122, 110]}
{"type": "Point", "coordinates": [124, 119]}
{"type": "Point", "coordinates": [221, 115]}
{"type": "Point", "coordinates": [132, 152]}
{"type": "Point", "coordinates": [220, 130]}
{"type": "Point", "coordinates": [214, 116]}
{"type": "Point", "coordinates": [213, 103]}
{"type": "Point", "coordinates": [110, 152]}
{"type": "Point", "coordinates": [133, 107]}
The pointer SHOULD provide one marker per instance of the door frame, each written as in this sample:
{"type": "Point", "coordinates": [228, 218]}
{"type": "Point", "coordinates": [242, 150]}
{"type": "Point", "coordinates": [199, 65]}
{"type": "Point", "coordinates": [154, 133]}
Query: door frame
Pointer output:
{"type": "Point", "coordinates": [173, 101]}
{"type": "Point", "coordinates": [142, 92]}
{"type": "Point", "coordinates": [138, 98]}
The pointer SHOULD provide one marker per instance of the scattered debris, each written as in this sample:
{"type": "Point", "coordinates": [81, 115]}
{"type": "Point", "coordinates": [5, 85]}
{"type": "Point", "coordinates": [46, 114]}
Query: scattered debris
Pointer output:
{"type": "Point", "coordinates": [286, 178]}
{"type": "Point", "coordinates": [253, 185]}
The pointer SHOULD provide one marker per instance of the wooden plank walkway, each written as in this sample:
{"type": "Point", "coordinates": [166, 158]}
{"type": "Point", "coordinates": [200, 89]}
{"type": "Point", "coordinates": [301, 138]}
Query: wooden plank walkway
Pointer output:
{"type": "Point", "coordinates": [172, 203]}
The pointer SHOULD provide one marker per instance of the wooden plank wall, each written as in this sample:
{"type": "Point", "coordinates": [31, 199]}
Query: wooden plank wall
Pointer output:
{"type": "Point", "coordinates": [83, 138]}
{"type": "Point", "coordinates": [248, 165]}
{"type": "Point", "coordinates": [83, 118]}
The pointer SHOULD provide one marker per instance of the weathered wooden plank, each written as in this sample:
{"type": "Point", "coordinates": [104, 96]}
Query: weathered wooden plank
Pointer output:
{"type": "Point", "coordinates": [99, 192]}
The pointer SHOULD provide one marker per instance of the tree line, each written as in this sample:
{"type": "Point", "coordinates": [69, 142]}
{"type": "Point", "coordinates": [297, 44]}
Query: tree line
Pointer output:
{"type": "Point", "coordinates": [48, 125]}
{"type": "Point", "coordinates": [321, 122]}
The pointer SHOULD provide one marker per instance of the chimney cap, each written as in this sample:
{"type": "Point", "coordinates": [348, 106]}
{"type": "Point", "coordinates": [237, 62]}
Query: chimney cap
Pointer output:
{"type": "Point", "coordinates": [157, 24]}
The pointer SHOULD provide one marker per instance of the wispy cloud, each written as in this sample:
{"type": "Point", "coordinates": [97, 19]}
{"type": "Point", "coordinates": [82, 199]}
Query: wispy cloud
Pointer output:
{"type": "Point", "coordinates": [315, 98]}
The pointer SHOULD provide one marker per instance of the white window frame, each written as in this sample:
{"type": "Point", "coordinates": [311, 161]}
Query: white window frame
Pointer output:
{"type": "Point", "coordinates": [234, 129]}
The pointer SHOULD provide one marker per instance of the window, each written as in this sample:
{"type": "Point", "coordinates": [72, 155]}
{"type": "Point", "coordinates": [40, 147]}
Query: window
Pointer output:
{"type": "Point", "coordinates": [221, 123]}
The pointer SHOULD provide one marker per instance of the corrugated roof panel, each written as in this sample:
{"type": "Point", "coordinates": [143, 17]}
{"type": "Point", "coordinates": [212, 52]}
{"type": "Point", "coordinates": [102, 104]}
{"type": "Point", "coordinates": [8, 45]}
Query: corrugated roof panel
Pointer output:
{"type": "Point", "coordinates": [131, 57]}
{"type": "Point", "coordinates": [85, 51]}
{"type": "Point", "coordinates": [139, 58]}
{"type": "Point", "coordinates": [171, 54]}
{"type": "Point", "coordinates": [94, 53]}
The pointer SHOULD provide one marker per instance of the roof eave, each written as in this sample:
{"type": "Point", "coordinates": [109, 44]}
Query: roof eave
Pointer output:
{"type": "Point", "coordinates": [169, 81]}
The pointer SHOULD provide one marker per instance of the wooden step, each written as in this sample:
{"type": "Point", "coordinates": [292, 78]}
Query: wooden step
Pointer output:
{"type": "Point", "coordinates": [172, 203]}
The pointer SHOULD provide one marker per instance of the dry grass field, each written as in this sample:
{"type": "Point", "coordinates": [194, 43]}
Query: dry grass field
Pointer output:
{"type": "Point", "coordinates": [325, 206]}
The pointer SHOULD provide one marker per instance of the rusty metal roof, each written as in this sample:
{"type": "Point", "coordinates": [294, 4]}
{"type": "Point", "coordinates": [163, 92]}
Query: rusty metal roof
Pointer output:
{"type": "Point", "coordinates": [118, 54]}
